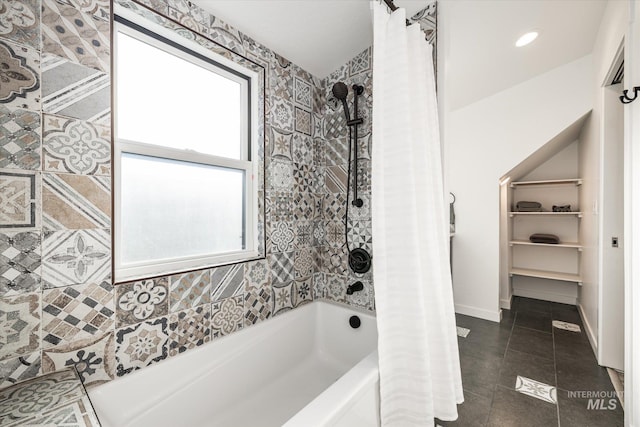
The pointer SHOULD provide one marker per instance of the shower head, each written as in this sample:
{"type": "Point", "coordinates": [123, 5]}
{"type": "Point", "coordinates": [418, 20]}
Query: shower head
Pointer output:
{"type": "Point", "coordinates": [340, 91]}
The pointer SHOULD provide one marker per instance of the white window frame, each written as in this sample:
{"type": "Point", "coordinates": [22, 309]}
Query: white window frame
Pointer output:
{"type": "Point", "coordinates": [248, 162]}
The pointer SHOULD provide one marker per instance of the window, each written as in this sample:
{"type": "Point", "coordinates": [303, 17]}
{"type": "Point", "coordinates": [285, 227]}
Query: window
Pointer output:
{"type": "Point", "coordinates": [185, 194]}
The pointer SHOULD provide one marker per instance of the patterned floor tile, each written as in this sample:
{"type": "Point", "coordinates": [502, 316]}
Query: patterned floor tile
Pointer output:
{"type": "Point", "coordinates": [258, 305]}
{"type": "Point", "coordinates": [141, 345]}
{"type": "Point", "coordinates": [19, 194]}
{"type": "Point", "coordinates": [305, 263]}
{"type": "Point", "coordinates": [75, 202]}
{"type": "Point", "coordinates": [256, 275]}
{"type": "Point", "coordinates": [20, 140]}
{"type": "Point", "coordinates": [302, 291]}
{"type": "Point", "coordinates": [20, 325]}
{"type": "Point", "coordinates": [302, 149]}
{"type": "Point", "coordinates": [360, 63]}
{"type": "Point", "coordinates": [281, 144]}
{"type": "Point", "coordinates": [19, 369]}
{"type": "Point", "coordinates": [282, 270]}
{"type": "Point", "coordinates": [227, 316]}
{"type": "Point", "coordinates": [19, 262]}
{"type": "Point", "coordinates": [20, 22]}
{"type": "Point", "coordinates": [281, 114]}
{"type": "Point", "coordinates": [280, 175]}
{"type": "Point", "coordinates": [141, 300]}
{"type": "Point", "coordinates": [189, 290]}
{"type": "Point", "coordinates": [93, 358]}
{"type": "Point", "coordinates": [75, 257]}
{"type": "Point", "coordinates": [189, 329]}
{"type": "Point", "coordinates": [302, 93]}
{"type": "Point", "coordinates": [281, 237]}
{"type": "Point", "coordinates": [303, 121]}
{"type": "Point", "coordinates": [75, 146]}
{"type": "Point", "coordinates": [227, 281]}
{"type": "Point", "coordinates": [282, 297]}
{"type": "Point", "coordinates": [75, 313]}
{"type": "Point", "coordinates": [39, 395]}
{"type": "Point", "coordinates": [20, 76]}
{"type": "Point", "coordinates": [73, 90]}
{"type": "Point", "coordinates": [536, 389]}
{"type": "Point", "coordinates": [71, 34]}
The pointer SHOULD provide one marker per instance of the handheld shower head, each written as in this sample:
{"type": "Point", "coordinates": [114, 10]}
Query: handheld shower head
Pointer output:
{"type": "Point", "coordinates": [340, 91]}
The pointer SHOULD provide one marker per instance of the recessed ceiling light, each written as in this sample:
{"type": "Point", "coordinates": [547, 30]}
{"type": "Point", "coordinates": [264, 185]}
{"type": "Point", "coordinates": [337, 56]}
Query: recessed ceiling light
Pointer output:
{"type": "Point", "coordinates": [527, 38]}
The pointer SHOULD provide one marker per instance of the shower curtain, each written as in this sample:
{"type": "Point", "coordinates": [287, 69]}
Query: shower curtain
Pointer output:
{"type": "Point", "coordinates": [417, 344]}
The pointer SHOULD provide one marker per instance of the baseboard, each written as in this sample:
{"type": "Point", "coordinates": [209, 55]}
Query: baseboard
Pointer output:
{"type": "Point", "coordinates": [481, 313]}
{"type": "Point", "coordinates": [506, 303]}
{"type": "Point", "coordinates": [589, 330]}
{"type": "Point", "coordinates": [547, 296]}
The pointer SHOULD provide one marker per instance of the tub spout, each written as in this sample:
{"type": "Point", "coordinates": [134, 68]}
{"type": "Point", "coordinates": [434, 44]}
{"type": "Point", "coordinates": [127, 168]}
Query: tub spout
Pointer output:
{"type": "Point", "coordinates": [357, 286]}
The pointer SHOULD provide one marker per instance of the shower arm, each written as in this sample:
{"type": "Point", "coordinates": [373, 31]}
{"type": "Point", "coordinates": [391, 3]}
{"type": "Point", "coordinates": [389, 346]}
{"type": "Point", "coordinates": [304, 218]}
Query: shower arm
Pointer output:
{"type": "Point", "coordinates": [357, 91]}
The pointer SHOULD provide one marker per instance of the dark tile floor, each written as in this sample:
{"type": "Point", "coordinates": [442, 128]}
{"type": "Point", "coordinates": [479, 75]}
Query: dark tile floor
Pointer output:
{"type": "Point", "coordinates": [525, 344]}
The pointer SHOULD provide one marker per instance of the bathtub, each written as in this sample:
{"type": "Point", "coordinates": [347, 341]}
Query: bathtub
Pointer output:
{"type": "Point", "coordinates": [304, 368]}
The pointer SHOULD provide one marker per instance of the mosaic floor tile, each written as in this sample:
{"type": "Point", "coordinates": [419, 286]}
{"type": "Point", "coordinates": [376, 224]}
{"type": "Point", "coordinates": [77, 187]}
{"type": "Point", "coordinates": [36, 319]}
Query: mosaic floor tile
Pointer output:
{"type": "Point", "coordinates": [360, 63]}
{"type": "Point", "coordinates": [281, 237]}
{"type": "Point", "coordinates": [189, 290]}
{"type": "Point", "coordinates": [189, 329]}
{"type": "Point", "coordinates": [304, 234]}
{"type": "Point", "coordinates": [75, 257]}
{"type": "Point", "coordinates": [258, 305]}
{"type": "Point", "coordinates": [141, 300]}
{"type": "Point", "coordinates": [280, 175]}
{"type": "Point", "coordinates": [19, 369]}
{"type": "Point", "coordinates": [227, 281]}
{"type": "Point", "coordinates": [256, 275]}
{"type": "Point", "coordinates": [283, 297]}
{"type": "Point", "coordinates": [74, 90]}
{"type": "Point", "coordinates": [462, 332]}
{"type": "Point", "coordinates": [363, 298]}
{"type": "Point", "coordinates": [282, 270]}
{"type": "Point", "coordinates": [302, 93]}
{"type": "Point", "coordinates": [302, 148]}
{"type": "Point", "coordinates": [75, 146]}
{"type": "Point", "coordinates": [566, 326]}
{"type": "Point", "coordinates": [20, 141]}
{"type": "Point", "coordinates": [281, 114]}
{"type": "Point", "coordinates": [303, 121]}
{"type": "Point", "coordinates": [20, 71]}
{"type": "Point", "coordinates": [334, 234]}
{"type": "Point", "coordinates": [71, 34]}
{"type": "Point", "coordinates": [305, 263]}
{"type": "Point", "coordinates": [141, 345]}
{"type": "Point", "coordinates": [302, 291]}
{"type": "Point", "coordinates": [19, 194]}
{"type": "Point", "coordinates": [334, 260]}
{"type": "Point", "coordinates": [227, 316]}
{"type": "Point", "coordinates": [536, 389]}
{"type": "Point", "coordinates": [73, 313]}
{"type": "Point", "coordinates": [75, 202]}
{"type": "Point", "coordinates": [19, 22]}
{"type": "Point", "coordinates": [281, 144]}
{"type": "Point", "coordinates": [336, 179]}
{"type": "Point", "coordinates": [93, 359]}
{"type": "Point", "coordinates": [19, 262]}
{"type": "Point", "coordinates": [20, 325]}
{"type": "Point", "coordinates": [39, 395]}
{"type": "Point", "coordinates": [99, 9]}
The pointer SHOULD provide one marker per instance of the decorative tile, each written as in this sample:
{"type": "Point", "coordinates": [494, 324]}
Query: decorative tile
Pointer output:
{"type": "Point", "coordinates": [20, 325]}
{"type": "Point", "coordinates": [303, 179]}
{"type": "Point", "coordinates": [281, 237]}
{"type": "Point", "coordinates": [93, 359]}
{"type": "Point", "coordinates": [336, 179]}
{"type": "Point", "coordinates": [257, 305]}
{"type": "Point", "coordinates": [462, 332]}
{"type": "Point", "coordinates": [363, 298]}
{"type": "Point", "coordinates": [189, 329]}
{"type": "Point", "coordinates": [141, 345]}
{"type": "Point", "coordinates": [337, 151]}
{"type": "Point", "coordinates": [318, 233]}
{"type": "Point", "coordinates": [281, 114]}
{"type": "Point", "coordinates": [75, 313]}
{"type": "Point", "coordinates": [227, 281]}
{"type": "Point", "coordinates": [335, 125]}
{"type": "Point", "coordinates": [319, 285]}
{"type": "Point", "coordinates": [360, 63]}
{"type": "Point", "coordinates": [282, 297]}
{"type": "Point", "coordinates": [226, 35]}
{"type": "Point", "coordinates": [334, 234]}
{"type": "Point", "coordinates": [364, 146]}
{"type": "Point", "coordinates": [99, 9]}
{"type": "Point", "coordinates": [19, 137]}
{"type": "Point", "coordinates": [256, 275]}
{"type": "Point", "coordinates": [536, 389]}
{"type": "Point", "coordinates": [227, 316]}
{"type": "Point", "coordinates": [334, 260]}
{"type": "Point", "coordinates": [76, 202]}
{"type": "Point", "coordinates": [319, 151]}
{"type": "Point", "coordinates": [304, 234]}
{"type": "Point", "coordinates": [189, 290]}
{"type": "Point", "coordinates": [282, 270]}
{"type": "Point", "coordinates": [363, 212]}
{"type": "Point", "coordinates": [75, 257]}
{"type": "Point", "coordinates": [318, 125]}
{"type": "Point", "coordinates": [18, 199]}
{"type": "Point", "coordinates": [566, 326]}
{"type": "Point", "coordinates": [303, 121]}
{"type": "Point", "coordinates": [19, 262]}
{"type": "Point", "coordinates": [78, 413]}
{"type": "Point", "coordinates": [303, 291]}
{"type": "Point", "coordinates": [302, 93]}
{"type": "Point", "coordinates": [141, 300]}
{"type": "Point", "coordinates": [359, 234]}
{"type": "Point", "coordinates": [336, 287]}
{"type": "Point", "coordinates": [305, 263]}
{"type": "Point", "coordinates": [256, 50]}
{"type": "Point", "coordinates": [281, 144]}
{"type": "Point", "coordinates": [189, 21]}
{"type": "Point", "coordinates": [75, 146]}
{"type": "Point", "coordinates": [20, 22]}
{"type": "Point", "coordinates": [364, 174]}
{"type": "Point", "coordinates": [302, 148]}
{"type": "Point", "coordinates": [38, 396]}
{"type": "Point", "coordinates": [279, 206]}
{"type": "Point", "coordinates": [335, 206]}
{"type": "Point", "coordinates": [74, 90]}
{"type": "Point", "coordinates": [280, 175]}
{"type": "Point", "coordinates": [19, 369]}
{"type": "Point", "coordinates": [71, 34]}
{"type": "Point", "coordinates": [20, 75]}
{"type": "Point", "coordinates": [280, 79]}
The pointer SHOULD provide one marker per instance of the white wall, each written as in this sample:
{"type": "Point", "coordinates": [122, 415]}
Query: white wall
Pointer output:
{"type": "Point", "coordinates": [483, 141]}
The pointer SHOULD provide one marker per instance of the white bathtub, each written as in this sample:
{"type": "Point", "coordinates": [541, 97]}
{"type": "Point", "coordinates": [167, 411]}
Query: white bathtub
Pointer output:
{"type": "Point", "coordinates": [304, 368]}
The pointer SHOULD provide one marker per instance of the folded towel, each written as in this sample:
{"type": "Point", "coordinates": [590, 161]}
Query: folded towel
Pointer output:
{"type": "Point", "coordinates": [544, 238]}
{"type": "Point", "coordinates": [525, 206]}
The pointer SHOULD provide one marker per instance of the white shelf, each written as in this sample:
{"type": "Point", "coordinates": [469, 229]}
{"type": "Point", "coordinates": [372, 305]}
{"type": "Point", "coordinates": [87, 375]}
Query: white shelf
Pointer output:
{"type": "Point", "coordinates": [558, 245]}
{"type": "Point", "coordinates": [542, 274]}
{"type": "Point", "coordinates": [578, 214]}
{"type": "Point", "coordinates": [576, 181]}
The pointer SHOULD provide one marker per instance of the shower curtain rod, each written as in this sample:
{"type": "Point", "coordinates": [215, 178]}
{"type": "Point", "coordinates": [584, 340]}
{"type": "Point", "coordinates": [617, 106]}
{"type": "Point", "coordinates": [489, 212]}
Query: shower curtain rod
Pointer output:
{"type": "Point", "coordinates": [393, 8]}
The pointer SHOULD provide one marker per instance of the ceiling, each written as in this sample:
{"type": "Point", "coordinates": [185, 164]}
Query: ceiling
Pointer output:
{"type": "Point", "coordinates": [480, 57]}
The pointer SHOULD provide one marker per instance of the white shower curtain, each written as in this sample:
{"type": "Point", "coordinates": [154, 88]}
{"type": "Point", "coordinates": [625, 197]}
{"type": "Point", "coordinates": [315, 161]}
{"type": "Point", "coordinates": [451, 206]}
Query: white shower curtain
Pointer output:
{"type": "Point", "coordinates": [417, 344]}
